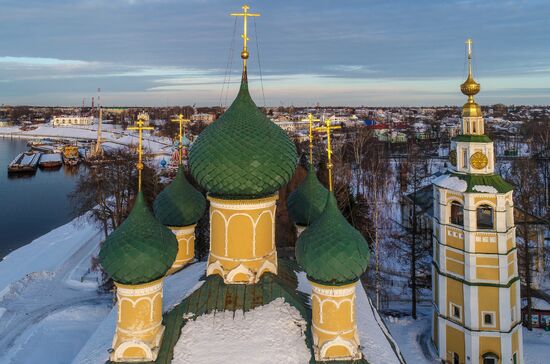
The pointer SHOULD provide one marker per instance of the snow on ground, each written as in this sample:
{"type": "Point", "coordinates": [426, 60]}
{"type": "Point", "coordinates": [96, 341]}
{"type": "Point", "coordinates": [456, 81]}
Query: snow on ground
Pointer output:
{"type": "Point", "coordinates": [273, 333]}
{"type": "Point", "coordinates": [58, 337]}
{"type": "Point", "coordinates": [176, 288]}
{"type": "Point", "coordinates": [47, 313]}
{"type": "Point", "coordinates": [111, 137]}
{"type": "Point", "coordinates": [372, 332]}
{"type": "Point", "coordinates": [47, 253]}
{"type": "Point", "coordinates": [536, 346]}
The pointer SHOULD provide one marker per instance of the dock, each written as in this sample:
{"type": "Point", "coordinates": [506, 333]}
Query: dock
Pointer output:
{"type": "Point", "coordinates": [25, 163]}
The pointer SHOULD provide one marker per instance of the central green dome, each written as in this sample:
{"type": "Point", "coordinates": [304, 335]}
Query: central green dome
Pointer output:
{"type": "Point", "coordinates": [140, 250]}
{"type": "Point", "coordinates": [243, 154]}
{"type": "Point", "coordinates": [331, 251]}
{"type": "Point", "coordinates": [308, 201]}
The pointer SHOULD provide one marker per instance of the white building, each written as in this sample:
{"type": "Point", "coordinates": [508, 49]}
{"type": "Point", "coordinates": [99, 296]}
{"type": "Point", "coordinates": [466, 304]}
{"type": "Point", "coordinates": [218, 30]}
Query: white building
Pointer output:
{"type": "Point", "coordinates": [72, 120]}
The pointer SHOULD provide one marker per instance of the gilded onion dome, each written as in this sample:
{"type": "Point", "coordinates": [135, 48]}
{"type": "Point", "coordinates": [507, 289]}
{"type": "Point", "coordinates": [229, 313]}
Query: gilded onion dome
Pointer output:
{"type": "Point", "coordinates": [470, 88]}
{"type": "Point", "coordinates": [179, 204]}
{"type": "Point", "coordinates": [307, 202]}
{"type": "Point", "coordinates": [243, 154]}
{"type": "Point", "coordinates": [330, 250]}
{"type": "Point", "coordinates": [140, 250]}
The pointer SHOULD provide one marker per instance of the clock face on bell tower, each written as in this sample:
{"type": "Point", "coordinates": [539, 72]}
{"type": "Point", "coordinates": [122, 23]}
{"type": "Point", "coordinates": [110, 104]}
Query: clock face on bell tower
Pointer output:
{"type": "Point", "coordinates": [478, 160]}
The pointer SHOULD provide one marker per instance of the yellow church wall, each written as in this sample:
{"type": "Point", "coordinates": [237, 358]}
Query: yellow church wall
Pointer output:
{"type": "Point", "coordinates": [334, 325]}
{"type": "Point", "coordinates": [489, 200]}
{"type": "Point", "coordinates": [489, 345]}
{"type": "Point", "coordinates": [453, 196]}
{"type": "Point", "coordinates": [139, 324]}
{"type": "Point", "coordinates": [242, 239]}
{"type": "Point", "coordinates": [509, 243]}
{"type": "Point", "coordinates": [455, 344]}
{"type": "Point", "coordinates": [186, 247]}
{"type": "Point", "coordinates": [487, 274]}
{"type": "Point", "coordinates": [455, 267]}
{"type": "Point", "coordinates": [488, 302]}
{"type": "Point", "coordinates": [514, 297]}
{"type": "Point", "coordinates": [455, 295]}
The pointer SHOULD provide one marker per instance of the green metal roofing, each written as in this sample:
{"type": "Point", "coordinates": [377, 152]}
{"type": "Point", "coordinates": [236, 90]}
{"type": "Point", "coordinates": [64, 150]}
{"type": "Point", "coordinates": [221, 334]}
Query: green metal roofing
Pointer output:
{"type": "Point", "coordinates": [307, 202]}
{"type": "Point", "coordinates": [140, 250]}
{"type": "Point", "coordinates": [330, 250]}
{"type": "Point", "coordinates": [493, 180]}
{"type": "Point", "coordinates": [472, 138]}
{"type": "Point", "coordinates": [216, 296]}
{"type": "Point", "coordinates": [243, 154]}
{"type": "Point", "coordinates": [179, 204]}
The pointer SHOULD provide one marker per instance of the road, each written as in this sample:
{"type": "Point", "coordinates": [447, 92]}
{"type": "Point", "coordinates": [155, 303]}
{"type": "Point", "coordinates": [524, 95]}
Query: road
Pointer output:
{"type": "Point", "coordinates": [39, 295]}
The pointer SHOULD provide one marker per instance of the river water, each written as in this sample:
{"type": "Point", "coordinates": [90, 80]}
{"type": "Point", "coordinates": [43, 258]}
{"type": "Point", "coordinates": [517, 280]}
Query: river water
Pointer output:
{"type": "Point", "coordinates": [31, 206]}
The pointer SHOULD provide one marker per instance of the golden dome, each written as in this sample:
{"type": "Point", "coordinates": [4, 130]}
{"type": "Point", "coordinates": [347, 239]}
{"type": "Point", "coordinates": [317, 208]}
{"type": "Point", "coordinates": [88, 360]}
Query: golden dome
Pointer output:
{"type": "Point", "coordinates": [470, 87]}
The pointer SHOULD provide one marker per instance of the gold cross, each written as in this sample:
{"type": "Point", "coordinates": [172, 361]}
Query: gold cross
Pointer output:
{"type": "Point", "coordinates": [469, 42]}
{"type": "Point", "coordinates": [327, 128]}
{"type": "Point", "coordinates": [311, 119]}
{"type": "Point", "coordinates": [245, 14]}
{"type": "Point", "coordinates": [182, 123]}
{"type": "Point", "coordinates": [140, 125]}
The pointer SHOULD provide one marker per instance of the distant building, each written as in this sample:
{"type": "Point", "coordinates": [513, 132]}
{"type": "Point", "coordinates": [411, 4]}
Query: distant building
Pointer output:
{"type": "Point", "coordinates": [203, 118]}
{"type": "Point", "coordinates": [72, 120]}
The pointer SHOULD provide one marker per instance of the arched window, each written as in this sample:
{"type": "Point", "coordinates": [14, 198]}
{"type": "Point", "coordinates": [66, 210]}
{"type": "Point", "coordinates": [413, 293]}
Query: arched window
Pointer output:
{"type": "Point", "coordinates": [457, 213]}
{"type": "Point", "coordinates": [485, 217]}
{"type": "Point", "coordinates": [456, 358]}
{"type": "Point", "coordinates": [490, 358]}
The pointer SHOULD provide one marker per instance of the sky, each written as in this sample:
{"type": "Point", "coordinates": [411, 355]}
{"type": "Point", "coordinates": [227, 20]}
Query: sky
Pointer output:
{"type": "Point", "coordinates": [327, 52]}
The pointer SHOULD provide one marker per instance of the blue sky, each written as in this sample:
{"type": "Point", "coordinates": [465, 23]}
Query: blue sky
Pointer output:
{"type": "Point", "coordinates": [345, 52]}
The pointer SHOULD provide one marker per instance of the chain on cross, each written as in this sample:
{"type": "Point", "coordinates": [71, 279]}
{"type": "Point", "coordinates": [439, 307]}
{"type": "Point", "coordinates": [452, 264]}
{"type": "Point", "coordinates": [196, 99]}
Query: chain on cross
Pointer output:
{"type": "Point", "coordinates": [245, 14]}
{"type": "Point", "coordinates": [311, 119]}
{"type": "Point", "coordinates": [140, 126]}
{"type": "Point", "coordinates": [327, 128]}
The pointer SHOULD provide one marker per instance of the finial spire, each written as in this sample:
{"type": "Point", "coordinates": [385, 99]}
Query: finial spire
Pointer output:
{"type": "Point", "coordinates": [470, 87]}
{"type": "Point", "coordinates": [245, 14]}
{"type": "Point", "coordinates": [182, 121]}
{"type": "Point", "coordinates": [311, 119]}
{"type": "Point", "coordinates": [140, 126]}
{"type": "Point", "coordinates": [327, 128]}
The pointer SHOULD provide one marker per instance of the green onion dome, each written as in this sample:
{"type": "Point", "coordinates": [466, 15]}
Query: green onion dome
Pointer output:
{"type": "Point", "coordinates": [307, 202]}
{"type": "Point", "coordinates": [139, 251]}
{"type": "Point", "coordinates": [330, 250]}
{"type": "Point", "coordinates": [243, 154]}
{"type": "Point", "coordinates": [179, 204]}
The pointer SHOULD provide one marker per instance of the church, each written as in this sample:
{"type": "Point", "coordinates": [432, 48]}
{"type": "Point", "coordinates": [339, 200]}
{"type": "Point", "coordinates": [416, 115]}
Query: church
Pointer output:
{"type": "Point", "coordinates": [259, 308]}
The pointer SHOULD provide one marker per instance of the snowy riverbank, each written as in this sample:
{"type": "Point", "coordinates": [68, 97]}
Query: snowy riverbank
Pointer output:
{"type": "Point", "coordinates": [49, 303]}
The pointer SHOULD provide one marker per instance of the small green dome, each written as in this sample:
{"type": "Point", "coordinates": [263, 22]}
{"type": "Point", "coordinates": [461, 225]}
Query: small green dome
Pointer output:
{"type": "Point", "coordinates": [330, 250]}
{"type": "Point", "coordinates": [140, 250]}
{"type": "Point", "coordinates": [179, 204]}
{"type": "Point", "coordinates": [308, 201]}
{"type": "Point", "coordinates": [243, 154]}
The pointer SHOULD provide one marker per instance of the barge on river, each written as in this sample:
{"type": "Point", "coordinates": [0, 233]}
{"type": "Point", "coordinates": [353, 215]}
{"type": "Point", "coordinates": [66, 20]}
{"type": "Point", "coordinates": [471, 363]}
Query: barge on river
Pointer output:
{"type": "Point", "coordinates": [26, 162]}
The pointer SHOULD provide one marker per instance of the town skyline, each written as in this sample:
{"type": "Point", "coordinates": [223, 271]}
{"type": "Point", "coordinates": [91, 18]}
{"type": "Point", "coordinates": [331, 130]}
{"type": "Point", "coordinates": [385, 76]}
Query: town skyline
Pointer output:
{"type": "Point", "coordinates": [161, 52]}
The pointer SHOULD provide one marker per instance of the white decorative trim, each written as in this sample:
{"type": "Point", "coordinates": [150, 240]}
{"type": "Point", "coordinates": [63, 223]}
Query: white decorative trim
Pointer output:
{"type": "Point", "coordinates": [245, 205]}
{"type": "Point", "coordinates": [334, 291]}
{"type": "Point", "coordinates": [267, 266]}
{"type": "Point", "coordinates": [184, 230]}
{"type": "Point", "coordinates": [352, 347]}
{"type": "Point", "coordinates": [213, 267]}
{"type": "Point", "coordinates": [134, 292]}
{"type": "Point", "coordinates": [333, 333]}
{"type": "Point", "coordinates": [243, 259]}
{"type": "Point", "coordinates": [240, 269]}
{"type": "Point", "coordinates": [119, 352]}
